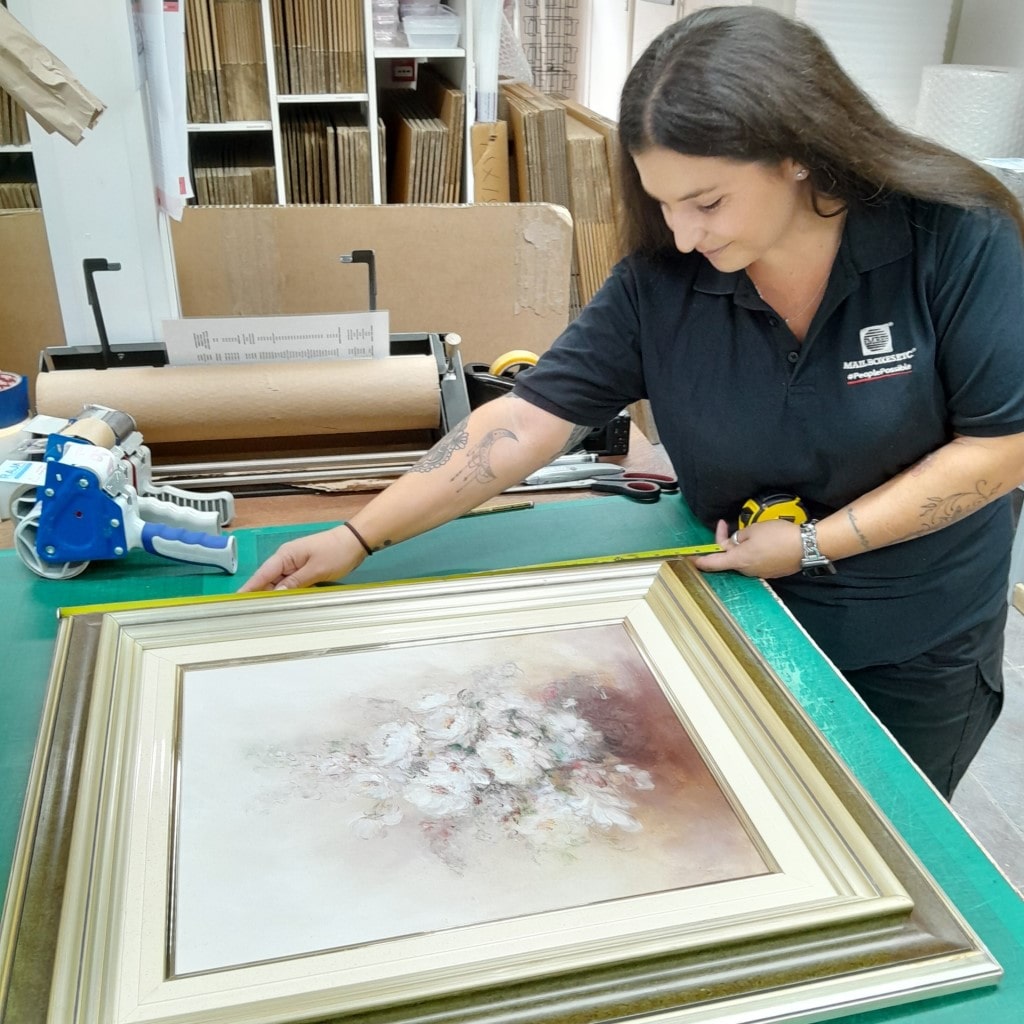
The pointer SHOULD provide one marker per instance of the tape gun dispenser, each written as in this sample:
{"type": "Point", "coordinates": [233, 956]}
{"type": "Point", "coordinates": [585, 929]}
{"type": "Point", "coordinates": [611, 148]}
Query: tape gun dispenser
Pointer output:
{"type": "Point", "coordinates": [82, 502]}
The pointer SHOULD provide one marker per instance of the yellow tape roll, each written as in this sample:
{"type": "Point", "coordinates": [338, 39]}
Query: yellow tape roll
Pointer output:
{"type": "Point", "coordinates": [518, 357]}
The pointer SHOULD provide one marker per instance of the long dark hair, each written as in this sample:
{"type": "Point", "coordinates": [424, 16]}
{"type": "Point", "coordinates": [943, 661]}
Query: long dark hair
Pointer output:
{"type": "Point", "coordinates": [746, 83]}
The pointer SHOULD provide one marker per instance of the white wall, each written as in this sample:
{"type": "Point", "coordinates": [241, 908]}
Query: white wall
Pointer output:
{"type": "Point", "coordinates": [98, 197]}
{"type": "Point", "coordinates": [604, 53]}
{"type": "Point", "coordinates": [990, 32]}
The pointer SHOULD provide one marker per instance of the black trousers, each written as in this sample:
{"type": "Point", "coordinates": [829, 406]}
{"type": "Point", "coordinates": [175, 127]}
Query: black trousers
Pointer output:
{"type": "Point", "coordinates": [941, 705]}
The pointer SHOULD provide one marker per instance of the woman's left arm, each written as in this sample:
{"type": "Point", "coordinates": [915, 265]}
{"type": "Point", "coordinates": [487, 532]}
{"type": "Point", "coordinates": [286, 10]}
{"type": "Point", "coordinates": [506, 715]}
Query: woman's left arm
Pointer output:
{"type": "Point", "coordinates": [942, 488]}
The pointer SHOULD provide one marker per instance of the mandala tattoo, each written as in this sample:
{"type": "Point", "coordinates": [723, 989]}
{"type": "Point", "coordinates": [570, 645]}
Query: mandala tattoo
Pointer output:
{"type": "Point", "coordinates": [452, 442]}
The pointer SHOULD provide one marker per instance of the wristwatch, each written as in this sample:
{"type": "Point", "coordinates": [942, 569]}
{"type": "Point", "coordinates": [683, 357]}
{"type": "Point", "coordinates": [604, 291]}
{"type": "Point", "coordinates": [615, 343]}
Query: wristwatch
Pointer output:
{"type": "Point", "coordinates": [813, 563]}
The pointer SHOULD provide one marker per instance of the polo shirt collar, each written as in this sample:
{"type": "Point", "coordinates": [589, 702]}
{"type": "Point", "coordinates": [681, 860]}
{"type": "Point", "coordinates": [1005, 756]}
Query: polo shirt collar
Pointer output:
{"type": "Point", "coordinates": [873, 236]}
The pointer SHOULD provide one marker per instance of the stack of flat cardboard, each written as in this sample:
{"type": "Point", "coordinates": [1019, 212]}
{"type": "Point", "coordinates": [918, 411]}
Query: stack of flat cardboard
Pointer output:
{"type": "Point", "coordinates": [318, 46]}
{"type": "Point", "coordinates": [426, 132]}
{"type": "Point", "coordinates": [13, 122]}
{"type": "Point", "coordinates": [225, 67]}
{"type": "Point", "coordinates": [593, 153]}
{"type": "Point", "coordinates": [18, 190]}
{"type": "Point", "coordinates": [326, 156]}
{"type": "Point", "coordinates": [538, 138]}
{"type": "Point", "coordinates": [448, 104]}
{"type": "Point", "coordinates": [237, 173]}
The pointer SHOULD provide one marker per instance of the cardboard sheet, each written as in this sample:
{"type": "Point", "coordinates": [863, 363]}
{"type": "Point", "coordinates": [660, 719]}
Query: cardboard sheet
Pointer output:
{"type": "Point", "coordinates": [497, 274]}
{"type": "Point", "coordinates": [29, 312]}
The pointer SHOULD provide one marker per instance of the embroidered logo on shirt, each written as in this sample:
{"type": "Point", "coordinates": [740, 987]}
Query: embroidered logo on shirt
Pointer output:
{"type": "Point", "coordinates": [876, 340]}
{"type": "Point", "coordinates": [880, 362]}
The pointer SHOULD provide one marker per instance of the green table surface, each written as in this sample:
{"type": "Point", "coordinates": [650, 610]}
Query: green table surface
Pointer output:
{"type": "Point", "coordinates": [556, 532]}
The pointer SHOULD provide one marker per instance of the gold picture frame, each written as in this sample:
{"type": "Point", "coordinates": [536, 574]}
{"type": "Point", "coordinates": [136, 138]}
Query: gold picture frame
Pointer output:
{"type": "Point", "coordinates": [556, 795]}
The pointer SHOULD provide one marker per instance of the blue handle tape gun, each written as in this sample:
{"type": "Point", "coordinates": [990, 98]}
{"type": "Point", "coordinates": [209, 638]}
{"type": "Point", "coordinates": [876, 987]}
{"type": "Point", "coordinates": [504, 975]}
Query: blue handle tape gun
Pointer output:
{"type": "Point", "coordinates": [83, 506]}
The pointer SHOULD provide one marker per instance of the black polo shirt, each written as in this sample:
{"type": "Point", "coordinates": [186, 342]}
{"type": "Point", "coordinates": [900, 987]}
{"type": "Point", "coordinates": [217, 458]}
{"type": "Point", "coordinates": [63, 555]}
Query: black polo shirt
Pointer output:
{"type": "Point", "coordinates": [920, 335]}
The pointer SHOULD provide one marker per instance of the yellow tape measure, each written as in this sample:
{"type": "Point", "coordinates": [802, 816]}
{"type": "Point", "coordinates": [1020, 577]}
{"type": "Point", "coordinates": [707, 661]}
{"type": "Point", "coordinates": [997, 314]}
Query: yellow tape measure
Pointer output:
{"type": "Point", "coordinates": [772, 506]}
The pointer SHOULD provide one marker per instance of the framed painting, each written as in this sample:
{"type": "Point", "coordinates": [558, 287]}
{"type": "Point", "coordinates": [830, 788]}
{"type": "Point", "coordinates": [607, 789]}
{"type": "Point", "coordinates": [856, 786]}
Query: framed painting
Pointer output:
{"type": "Point", "coordinates": [553, 796]}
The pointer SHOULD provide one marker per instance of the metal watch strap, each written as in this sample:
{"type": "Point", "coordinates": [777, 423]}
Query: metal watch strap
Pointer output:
{"type": "Point", "coordinates": [813, 562]}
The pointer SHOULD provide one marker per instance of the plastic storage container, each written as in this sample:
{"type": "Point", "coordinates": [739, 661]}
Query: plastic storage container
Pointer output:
{"type": "Point", "coordinates": [418, 8]}
{"type": "Point", "coordinates": [438, 31]}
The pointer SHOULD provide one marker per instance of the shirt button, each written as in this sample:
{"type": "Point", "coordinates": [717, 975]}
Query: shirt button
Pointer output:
{"type": "Point", "coordinates": [773, 321]}
{"type": "Point", "coordinates": [792, 356]}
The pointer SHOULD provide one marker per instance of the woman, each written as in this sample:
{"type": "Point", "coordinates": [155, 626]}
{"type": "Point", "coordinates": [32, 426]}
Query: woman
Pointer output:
{"type": "Point", "coordinates": [815, 302]}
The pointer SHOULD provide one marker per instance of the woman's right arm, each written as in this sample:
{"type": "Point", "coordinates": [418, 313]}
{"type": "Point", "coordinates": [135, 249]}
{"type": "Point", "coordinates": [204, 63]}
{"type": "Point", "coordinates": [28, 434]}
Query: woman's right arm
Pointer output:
{"type": "Point", "coordinates": [497, 446]}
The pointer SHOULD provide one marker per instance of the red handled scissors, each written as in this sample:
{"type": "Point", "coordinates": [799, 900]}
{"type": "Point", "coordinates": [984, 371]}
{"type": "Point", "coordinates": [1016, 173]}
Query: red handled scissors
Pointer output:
{"type": "Point", "coordinates": [645, 487]}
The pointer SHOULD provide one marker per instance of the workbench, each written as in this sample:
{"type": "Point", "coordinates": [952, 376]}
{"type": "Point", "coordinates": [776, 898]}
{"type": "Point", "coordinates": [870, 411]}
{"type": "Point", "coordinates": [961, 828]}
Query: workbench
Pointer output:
{"type": "Point", "coordinates": [554, 530]}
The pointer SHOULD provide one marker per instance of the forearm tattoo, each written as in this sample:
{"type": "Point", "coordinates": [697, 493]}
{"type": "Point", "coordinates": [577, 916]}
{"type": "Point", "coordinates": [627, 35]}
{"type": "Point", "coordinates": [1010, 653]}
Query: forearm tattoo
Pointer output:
{"type": "Point", "coordinates": [939, 512]}
{"type": "Point", "coordinates": [478, 460]}
{"type": "Point", "coordinates": [455, 440]}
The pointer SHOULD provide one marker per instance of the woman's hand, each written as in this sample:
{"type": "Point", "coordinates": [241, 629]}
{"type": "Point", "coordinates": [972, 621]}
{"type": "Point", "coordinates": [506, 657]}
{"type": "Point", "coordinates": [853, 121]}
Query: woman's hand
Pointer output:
{"type": "Point", "coordinates": [768, 550]}
{"type": "Point", "coordinates": [318, 558]}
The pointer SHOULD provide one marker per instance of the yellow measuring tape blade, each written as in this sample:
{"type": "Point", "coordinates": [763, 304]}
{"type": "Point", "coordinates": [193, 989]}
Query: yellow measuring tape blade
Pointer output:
{"type": "Point", "coordinates": [573, 563]}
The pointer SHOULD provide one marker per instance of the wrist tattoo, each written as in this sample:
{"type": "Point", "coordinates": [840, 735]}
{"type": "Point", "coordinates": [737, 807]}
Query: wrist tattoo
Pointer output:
{"type": "Point", "coordinates": [455, 440]}
{"type": "Point", "coordinates": [852, 520]}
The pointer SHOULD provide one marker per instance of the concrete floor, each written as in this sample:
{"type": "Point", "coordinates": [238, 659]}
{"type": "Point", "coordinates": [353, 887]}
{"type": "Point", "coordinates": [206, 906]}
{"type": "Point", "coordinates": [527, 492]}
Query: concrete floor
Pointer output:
{"type": "Point", "coordinates": [990, 798]}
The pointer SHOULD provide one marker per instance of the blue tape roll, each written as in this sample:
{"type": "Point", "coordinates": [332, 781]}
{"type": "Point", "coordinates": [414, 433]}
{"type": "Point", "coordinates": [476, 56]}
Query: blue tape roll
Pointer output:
{"type": "Point", "coordinates": [13, 398]}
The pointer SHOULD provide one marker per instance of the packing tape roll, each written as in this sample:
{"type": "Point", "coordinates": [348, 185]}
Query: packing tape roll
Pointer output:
{"type": "Point", "coordinates": [95, 431]}
{"type": "Point", "coordinates": [13, 399]}
{"type": "Point", "coordinates": [218, 403]}
{"type": "Point", "coordinates": [518, 357]}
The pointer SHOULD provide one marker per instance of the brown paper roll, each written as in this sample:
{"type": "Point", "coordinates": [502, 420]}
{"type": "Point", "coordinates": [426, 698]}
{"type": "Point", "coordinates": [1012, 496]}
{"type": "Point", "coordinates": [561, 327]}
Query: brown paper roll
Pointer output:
{"type": "Point", "coordinates": [216, 403]}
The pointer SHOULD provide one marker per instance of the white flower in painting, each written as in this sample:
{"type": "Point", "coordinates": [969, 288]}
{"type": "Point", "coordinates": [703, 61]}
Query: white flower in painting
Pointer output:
{"type": "Point", "coordinates": [393, 743]}
{"type": "Point", "coordinates": [551, 821]}
{"type": "Point", "coordinates": [512, 712]}
{"type": "Point", "coordinates": [637, 776]}
{"type": "Point", "coordinates": [442, 791]}
{"type": "Point", "coordinates": [605, 808]}
{"type": "Point", "coordinates": [372, 783]}
{"type": "Point", "coordinates": [447, 721]}
{"type": "Point", "coordinates": [376, 823]}
{"type": "Point", "coordinates": [569, 735]}
{"type": "Point", "coordinates": [514, 760]}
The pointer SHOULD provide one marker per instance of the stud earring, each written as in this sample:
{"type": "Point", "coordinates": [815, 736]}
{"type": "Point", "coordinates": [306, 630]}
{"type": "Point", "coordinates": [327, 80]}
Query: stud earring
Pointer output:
{"type": "Point", "coordinates": [801, 174]}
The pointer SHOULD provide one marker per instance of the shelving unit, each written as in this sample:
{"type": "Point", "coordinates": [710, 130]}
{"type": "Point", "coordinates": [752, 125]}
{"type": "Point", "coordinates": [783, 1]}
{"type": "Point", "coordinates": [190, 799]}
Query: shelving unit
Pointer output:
{"type": "Point", "coordinates": [18, 189]}
{"type": "Point", "coordinates": [312, 135]}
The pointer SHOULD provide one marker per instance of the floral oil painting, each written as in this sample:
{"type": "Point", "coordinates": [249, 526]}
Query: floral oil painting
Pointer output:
{"type": "Point", "coordinates": [340, 799]}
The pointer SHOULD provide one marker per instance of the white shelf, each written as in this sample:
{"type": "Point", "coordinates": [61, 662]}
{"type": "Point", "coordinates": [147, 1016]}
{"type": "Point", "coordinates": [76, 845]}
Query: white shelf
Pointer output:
{"type": "Point", "coordinates": [25, 147]}
{"type": "Point", "coordinates": [229, 126]}
{"type": "Point", "coordinates": [324, 97]}
{"type": "Point", "coordinates": [425, 53]}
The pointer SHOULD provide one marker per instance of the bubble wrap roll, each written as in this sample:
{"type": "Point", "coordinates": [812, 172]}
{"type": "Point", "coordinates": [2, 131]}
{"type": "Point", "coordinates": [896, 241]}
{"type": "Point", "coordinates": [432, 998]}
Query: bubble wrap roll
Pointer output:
{"type": "Point", "coordinates": [977, 111]}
